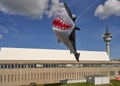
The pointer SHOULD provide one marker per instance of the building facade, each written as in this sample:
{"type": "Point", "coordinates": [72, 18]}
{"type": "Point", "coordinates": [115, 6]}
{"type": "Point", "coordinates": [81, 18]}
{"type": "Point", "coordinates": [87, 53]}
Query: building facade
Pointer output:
{"type": "Point", "coordinates": [15, 70]}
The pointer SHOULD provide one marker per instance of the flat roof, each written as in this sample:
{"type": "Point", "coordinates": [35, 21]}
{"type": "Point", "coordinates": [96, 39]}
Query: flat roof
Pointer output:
{"type": "Point", "coordinates": [50, 54]}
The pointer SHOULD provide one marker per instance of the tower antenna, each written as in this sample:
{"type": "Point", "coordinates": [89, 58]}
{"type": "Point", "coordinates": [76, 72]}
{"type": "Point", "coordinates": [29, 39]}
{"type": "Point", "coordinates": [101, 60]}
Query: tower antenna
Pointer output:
{"type": "Point", "coordinates": [107, 38]}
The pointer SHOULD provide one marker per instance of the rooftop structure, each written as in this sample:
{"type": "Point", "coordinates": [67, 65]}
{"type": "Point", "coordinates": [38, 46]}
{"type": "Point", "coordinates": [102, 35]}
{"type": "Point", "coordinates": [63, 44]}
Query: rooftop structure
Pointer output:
{"type": "Point", "coordinates": [50, 54]}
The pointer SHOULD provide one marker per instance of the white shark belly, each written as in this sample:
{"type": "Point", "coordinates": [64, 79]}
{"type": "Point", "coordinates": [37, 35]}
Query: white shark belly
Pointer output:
{"type": "Point", "coordinates": [64, 38]}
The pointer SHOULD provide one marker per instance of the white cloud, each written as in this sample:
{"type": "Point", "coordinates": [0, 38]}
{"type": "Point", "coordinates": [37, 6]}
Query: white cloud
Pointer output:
{"type": "Point", "coordinates": [32, 8]}
{"type": "Point", "coordinates": [110, 7]}
{"type": "Point", "coordinates": [53, 8]}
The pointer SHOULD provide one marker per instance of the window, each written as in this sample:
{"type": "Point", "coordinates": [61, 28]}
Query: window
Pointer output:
{"type": "Point", "coordinates": [60, 65]}
{"type": "Point", "coordinates": [12, 65]}
{"type": "Point", "coordinates": [41, 76]}
{"type": "Point", "coordinates": [19, 66]}
{"type": "Point", "coordinates": [15, 66]}
{"type": "Point", "coordinates": [11, 77]}
{"type": "Point", "coordinates": [37, 76]}
{"type": "Point", "coordinates": [22, 65]}
{"type": "Point", "coordinates": [22, 77]}
{"type": "Point", "coordinates": [118, 72]}
{"type": "Point", "coordinates": [34, 65]}
{"type": "Point", "coordinates": [34, 76]}
{"type": "Point", "coordinates": [18, 77]}
{"type": "Point", "coordinates": [1, 78]}
{"type": "Point", "coordinates": [44, 75]}
{"type": "Point", "coordinates": [39, 65]}
{"type": "Point", "coordinates": [8, 78]}
{"type": "Point", "coordinates": [112, 73]}
{"type": "Point", "coordinates": [31, 76]}
{"type": "Point", "coordinates": [15, 77]}
{"type": "Point", "coordinates": [4, 78]}
{"type": "Point", "coordinates": [28, 76]}
{"type": "Point", "coordinates": [2, 66]}
{"type": "Point", "coordinates": [5, 66]}
{"type": "Point", "coordinates": [25, 76]}
{"type": "Point", "coordinates": [47, 65]}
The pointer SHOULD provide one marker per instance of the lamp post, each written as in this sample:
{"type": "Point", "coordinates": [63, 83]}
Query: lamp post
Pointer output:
{"type": "Point", "coordinates": [107, 38]}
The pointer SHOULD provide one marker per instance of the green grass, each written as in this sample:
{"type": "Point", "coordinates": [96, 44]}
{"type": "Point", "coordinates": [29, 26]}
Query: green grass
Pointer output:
{"type": "Point", "coordinates": [73, 84]}
{"type": "Point", "coordinates": [113, 83]}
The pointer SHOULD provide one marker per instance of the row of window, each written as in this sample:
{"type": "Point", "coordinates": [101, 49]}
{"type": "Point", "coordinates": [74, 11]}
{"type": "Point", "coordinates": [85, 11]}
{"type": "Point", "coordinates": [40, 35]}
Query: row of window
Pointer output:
{"type": "Point", "coordinates": [9, 66]}
{"type": "Point", "coordinates": [112, 73]}
{"type": "Point", "coordinates": [47, 76]}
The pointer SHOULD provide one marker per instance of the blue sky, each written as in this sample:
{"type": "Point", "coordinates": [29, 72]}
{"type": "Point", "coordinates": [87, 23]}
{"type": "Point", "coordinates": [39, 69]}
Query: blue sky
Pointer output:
{"type": "Point", "coordinates": [28, 24]}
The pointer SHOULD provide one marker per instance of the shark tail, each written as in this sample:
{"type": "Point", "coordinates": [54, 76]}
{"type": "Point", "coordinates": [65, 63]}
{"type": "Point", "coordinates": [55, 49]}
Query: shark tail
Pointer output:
{"type": "Point", "coordinates": [77, 56]}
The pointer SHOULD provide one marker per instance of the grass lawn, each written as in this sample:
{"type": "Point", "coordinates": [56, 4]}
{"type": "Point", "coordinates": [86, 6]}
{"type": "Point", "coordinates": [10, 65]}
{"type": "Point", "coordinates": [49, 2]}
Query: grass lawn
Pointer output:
{"type": "Point", "coordinates": [113, 83]}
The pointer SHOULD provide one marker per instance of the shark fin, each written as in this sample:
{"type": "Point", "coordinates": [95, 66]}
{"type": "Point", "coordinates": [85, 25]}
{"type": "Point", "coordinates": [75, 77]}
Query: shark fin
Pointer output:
{"type": "Point", "coordinates": [77, 56]}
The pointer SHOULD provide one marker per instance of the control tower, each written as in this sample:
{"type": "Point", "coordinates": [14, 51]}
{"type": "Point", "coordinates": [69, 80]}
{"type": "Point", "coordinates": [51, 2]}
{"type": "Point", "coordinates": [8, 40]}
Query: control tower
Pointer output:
{"type": "Point", "coordinates": [107, 38]}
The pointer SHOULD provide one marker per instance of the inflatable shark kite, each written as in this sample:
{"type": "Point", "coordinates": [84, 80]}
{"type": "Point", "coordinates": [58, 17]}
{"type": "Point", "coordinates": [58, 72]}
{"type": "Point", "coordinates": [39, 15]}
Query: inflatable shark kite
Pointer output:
{"type": "Point", "coordinates": [64, 28]}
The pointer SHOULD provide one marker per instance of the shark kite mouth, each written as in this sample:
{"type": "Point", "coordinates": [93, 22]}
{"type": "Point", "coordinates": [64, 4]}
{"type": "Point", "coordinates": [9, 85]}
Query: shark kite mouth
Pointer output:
{"type": "Point", "coordinates": [61, 24]}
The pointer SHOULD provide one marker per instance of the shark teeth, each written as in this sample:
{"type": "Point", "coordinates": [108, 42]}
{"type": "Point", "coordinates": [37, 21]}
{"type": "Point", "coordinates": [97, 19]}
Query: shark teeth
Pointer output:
{"type": "Point", "coordinates": [61, 24]}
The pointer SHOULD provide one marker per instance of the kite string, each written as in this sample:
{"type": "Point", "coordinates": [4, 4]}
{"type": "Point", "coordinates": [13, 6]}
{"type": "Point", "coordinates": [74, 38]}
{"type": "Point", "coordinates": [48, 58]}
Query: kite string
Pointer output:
{"type": "Point", "coordinates": [86, 10]}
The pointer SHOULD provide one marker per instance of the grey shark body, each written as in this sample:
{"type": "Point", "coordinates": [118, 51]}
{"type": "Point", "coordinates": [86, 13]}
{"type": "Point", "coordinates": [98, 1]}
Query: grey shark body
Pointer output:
{"type": "Point", "coordinates": [64, 28]}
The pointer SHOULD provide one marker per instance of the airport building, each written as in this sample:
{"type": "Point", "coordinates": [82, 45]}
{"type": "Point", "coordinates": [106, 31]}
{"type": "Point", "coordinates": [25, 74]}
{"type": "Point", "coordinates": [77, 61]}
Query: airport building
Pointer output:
{"type": "Point", "coordinates": [20, 66]}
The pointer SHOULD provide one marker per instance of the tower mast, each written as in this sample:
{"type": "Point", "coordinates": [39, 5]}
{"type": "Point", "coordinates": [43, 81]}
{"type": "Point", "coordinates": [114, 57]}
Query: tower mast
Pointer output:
{"type": "Point", "coordinates": [107, 38]}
